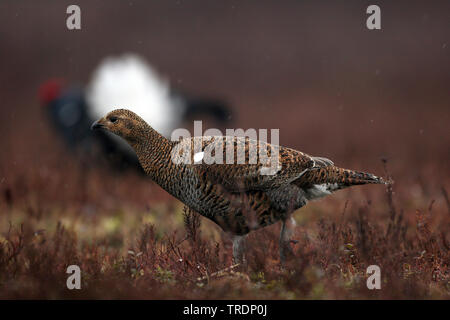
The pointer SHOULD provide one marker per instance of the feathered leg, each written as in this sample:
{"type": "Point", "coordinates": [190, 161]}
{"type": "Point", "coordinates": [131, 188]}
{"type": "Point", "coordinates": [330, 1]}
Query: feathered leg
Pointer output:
{"type": "Point", "coordinates": [238, 249]}
{"type": "Point", "coordinates": [287, 229]}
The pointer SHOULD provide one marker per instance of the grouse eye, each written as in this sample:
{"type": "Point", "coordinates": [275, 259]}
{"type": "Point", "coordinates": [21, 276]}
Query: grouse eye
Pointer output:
{"type": "Point", "coordinates": [113, 119]}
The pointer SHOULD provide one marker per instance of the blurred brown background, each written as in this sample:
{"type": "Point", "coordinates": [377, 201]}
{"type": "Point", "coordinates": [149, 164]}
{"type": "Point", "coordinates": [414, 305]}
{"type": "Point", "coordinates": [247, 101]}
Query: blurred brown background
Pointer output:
{"type": "Point", "coordinates": [310, 68]}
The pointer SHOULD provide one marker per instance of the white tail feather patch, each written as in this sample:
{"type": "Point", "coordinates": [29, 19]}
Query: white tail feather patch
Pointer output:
{"type": "Point", "coordinates": [321, 190]}
{"type": "Point", "coordinates": [130, 82]}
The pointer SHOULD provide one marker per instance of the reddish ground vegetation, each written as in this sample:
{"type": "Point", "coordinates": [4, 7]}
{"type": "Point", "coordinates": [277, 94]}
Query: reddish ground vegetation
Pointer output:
{"type": "Point", "coordinates": [128, 249]}
{"type": "Point", "coordinates": [332, 87]}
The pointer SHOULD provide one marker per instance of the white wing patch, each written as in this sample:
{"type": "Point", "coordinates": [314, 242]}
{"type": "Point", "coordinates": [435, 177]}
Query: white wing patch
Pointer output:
{"type": "Point", "coordinates": [198, 157]}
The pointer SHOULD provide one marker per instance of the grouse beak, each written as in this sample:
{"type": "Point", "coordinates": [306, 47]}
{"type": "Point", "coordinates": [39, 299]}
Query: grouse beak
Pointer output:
{"type": "Point", "coordinates": [97, 125]}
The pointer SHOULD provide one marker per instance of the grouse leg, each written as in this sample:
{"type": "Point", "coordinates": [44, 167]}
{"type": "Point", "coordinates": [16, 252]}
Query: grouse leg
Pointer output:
{"type": "Point", "coordinates": [287, 229]}
{"type": "Point", "coordinates": [238, 249]}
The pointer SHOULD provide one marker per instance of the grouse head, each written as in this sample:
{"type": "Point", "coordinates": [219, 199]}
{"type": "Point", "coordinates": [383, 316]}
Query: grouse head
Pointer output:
{"type": "Point", "coordinates": [125, 124]}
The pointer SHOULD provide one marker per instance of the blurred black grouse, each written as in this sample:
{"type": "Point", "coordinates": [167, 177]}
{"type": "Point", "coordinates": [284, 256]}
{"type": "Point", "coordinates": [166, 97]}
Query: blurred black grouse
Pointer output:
{"type": "Point", "coordinates": [126, 81]}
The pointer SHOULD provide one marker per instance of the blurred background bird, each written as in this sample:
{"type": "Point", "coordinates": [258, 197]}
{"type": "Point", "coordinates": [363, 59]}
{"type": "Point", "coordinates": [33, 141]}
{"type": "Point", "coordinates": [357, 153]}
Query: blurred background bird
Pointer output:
{"type": "Point", "coordinates": [126, 81]}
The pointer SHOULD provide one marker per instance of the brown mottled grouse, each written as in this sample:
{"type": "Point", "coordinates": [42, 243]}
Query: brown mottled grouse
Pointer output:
{"type": "Point", "coordinates": [239, 197]}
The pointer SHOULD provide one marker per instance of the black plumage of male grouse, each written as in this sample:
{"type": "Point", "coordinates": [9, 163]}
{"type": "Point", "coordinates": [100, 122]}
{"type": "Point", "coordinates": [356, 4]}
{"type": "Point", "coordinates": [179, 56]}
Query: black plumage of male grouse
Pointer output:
{"type": "Point", "coordinates": [118, 81]}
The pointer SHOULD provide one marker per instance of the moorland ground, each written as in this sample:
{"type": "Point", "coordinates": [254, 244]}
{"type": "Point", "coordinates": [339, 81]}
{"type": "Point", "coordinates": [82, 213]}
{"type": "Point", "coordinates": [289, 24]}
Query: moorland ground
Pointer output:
{"type": "Point", "coordinates": [356, 101]}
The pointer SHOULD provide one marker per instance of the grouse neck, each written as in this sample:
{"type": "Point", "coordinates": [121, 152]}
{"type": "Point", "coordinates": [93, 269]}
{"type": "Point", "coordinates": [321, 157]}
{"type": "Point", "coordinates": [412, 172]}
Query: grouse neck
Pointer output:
{"type": "Point", "coordinates": [154, 153]}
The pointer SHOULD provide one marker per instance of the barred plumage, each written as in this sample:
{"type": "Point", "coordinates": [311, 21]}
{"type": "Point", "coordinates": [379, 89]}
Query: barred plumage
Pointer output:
{"type": "Point", "coordinates": [237, 196]}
